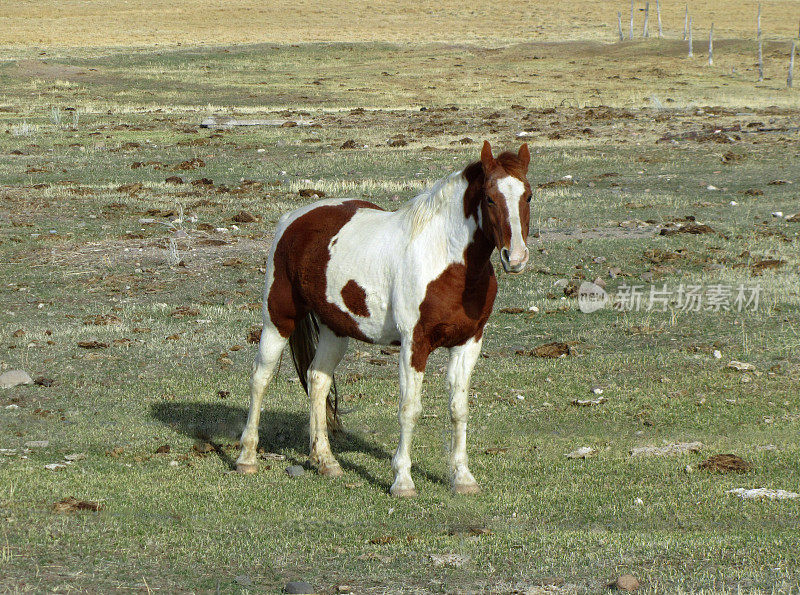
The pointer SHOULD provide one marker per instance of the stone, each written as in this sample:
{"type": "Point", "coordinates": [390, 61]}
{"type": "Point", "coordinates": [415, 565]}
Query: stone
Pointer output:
{"type": "Point", "coordinates": [668, 449]}
{"type": "Point", "coordinates": [14, 378]}
{"type": "Point", "coordinates": [763, 494]}
{"type": "Point", "coordinates": [452, 560]}
{"type": "Point", "coordinates": [296, 471]}
{"type": "Point", "coordinates": [581, 453]}
{"type": "Point", "coordinates": [298, 586]}
{"type": "Point", "coordinates": [37, 444]}
{"type": "Point", "coordinates": [627, 582]}
{"type": "Point", "coordinates": [551, 581]}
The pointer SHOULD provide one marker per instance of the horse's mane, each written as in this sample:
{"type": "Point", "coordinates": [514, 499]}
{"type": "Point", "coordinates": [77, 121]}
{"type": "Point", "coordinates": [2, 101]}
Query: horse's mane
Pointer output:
{"type": "Point", "coordinates": [421, 209]}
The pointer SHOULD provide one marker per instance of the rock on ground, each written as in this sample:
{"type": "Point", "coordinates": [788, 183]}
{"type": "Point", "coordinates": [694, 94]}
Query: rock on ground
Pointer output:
{"type": "Point", "coordinates": [14, 378]}
{"type": "Point", "coordinates": [763, 494]}
{"type": "Point", "coordinates": [581, 453]}
{"type": "Point", "coordinates": [454, 560]}
{"type": "Point", "coordinates": [298, 587]}
{"type": "Point", "coordinates": [669, 449]}
{"type": "Point", "coordinates": [627, 582]}
{"type": "Point", "coordinates": [295, 471]}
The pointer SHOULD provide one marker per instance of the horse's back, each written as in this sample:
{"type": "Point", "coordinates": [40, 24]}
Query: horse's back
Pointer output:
{"type": "Point", "coordinates": [300, 260]}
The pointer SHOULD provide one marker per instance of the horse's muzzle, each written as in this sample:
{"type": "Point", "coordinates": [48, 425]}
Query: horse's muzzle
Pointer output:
{"type": "Point", "coordinates": [513, 263]}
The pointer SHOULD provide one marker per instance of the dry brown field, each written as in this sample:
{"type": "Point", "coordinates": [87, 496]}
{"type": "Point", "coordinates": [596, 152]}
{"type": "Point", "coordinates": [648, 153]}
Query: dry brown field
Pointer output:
{"type": "Point", "coordinates": [166, 22]}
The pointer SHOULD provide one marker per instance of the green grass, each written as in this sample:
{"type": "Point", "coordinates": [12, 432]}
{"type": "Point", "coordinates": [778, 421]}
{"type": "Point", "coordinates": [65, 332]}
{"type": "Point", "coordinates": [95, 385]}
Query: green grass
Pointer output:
{"type": "Point", "coordinates": [193, 526]}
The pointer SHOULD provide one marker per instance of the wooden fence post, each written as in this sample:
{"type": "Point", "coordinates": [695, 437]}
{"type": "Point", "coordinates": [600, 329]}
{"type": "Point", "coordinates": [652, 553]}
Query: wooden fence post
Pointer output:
{"type": "Point", "coordinates": [685, 21]}
{"type": "Point", "coordinates": [711, 46]}
{"type": "Point", "coordinates": [789, 79]}
{"type": "Point", "coordinates": [691, 48]}
{"type": "Point", "coordinates": [619, 23]}
{"type": "Point", "coordinates": [760, 44]}
{"type": "Point", "coordinates": [630, 35]}
{"type": "Point", "coordinates": [658, 12]}
{"type": "Point", "coordinates": [645, 32]}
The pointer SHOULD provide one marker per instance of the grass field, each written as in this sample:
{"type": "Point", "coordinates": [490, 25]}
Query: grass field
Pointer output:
{"type": "Point", "coordinates": [161, 287]}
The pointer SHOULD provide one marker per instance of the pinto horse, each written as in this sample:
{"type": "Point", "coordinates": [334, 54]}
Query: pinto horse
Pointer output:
{"type": "Point", "coordinates": [419, 277]}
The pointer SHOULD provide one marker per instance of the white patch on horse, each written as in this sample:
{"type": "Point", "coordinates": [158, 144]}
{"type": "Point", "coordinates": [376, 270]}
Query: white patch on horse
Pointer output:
{"type": "Point", "coordinates": [421, 209]}
{"type": "Point", "coordinates": [365, 251]}
{"type": "Point", "coordinates": [512, 189]}
{"type": "Point", "coordinates": [393, 256]}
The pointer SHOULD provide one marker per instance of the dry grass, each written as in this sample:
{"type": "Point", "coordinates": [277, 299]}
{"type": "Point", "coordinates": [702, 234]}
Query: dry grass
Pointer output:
{"type": "Point", "coordinates": [331, 78]}
{"type": "Point", "coordinates": [167, 22]}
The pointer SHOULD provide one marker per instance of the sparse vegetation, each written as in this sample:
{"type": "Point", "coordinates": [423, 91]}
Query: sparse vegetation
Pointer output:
{"type": "Point", "coordinates": [131, 265]}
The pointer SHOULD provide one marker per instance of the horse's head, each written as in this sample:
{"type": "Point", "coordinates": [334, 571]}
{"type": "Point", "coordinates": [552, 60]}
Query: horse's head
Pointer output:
{"type": "Point", "coordinates": [505, 206]}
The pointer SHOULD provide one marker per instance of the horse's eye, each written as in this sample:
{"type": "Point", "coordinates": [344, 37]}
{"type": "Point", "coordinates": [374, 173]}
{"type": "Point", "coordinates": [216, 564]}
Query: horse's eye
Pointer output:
{"type": "Point", "coordinates": [529, 197]}
{"type": "Point", "coordinates": [489, 201]}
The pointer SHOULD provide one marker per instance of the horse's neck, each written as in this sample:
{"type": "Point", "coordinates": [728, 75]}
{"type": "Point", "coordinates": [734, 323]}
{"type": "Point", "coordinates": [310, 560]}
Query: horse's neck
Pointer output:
{"type": "Point", "coordinates": [458, 222]}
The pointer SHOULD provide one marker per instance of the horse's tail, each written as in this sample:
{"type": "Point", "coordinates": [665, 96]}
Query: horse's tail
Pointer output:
{"type": "Point", "coordinates": [303, 345]}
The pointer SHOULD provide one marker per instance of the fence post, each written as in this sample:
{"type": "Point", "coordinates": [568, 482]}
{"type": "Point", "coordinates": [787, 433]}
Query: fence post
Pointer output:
{"type": "Point", "coordinates": [711, 46]}
{"type": "Point", "coordinates": [685, 21]}
{"type": "Point", "coordinates": [789, 79]}
{"type": "Point", "coordinates": [691, 49]}
{"type": "Point", "coordinates": [630, 36]}
{"type": "Point", "coordinates": [619, 23]}
{"type": "Point", "coordinates": [658, 12]}
{"type": "Point", "coordinates": [645, 32]}
{"type": "Point", "coordinates": [760, 44]}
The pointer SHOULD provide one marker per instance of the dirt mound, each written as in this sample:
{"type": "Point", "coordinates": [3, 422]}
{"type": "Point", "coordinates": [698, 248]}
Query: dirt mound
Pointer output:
{"type": "Point", "coordinates": [726, 463]}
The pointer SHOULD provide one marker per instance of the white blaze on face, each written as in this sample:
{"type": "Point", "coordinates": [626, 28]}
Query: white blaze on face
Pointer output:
{"type": "Point", "coordinates": [512, 189]}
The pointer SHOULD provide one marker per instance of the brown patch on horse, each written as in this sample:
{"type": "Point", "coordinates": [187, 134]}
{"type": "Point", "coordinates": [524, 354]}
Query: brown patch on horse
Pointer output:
{"type": "Point", "coordinates": [457, 304]}
{"type": "Point", "coordinates": [301, 262]}
{"type": "Point", "coordinates": [515, 165]}
{"type": "Point", "coordinates": [473, 195]}
{"type": "Point", "coordinates": [355, 298]}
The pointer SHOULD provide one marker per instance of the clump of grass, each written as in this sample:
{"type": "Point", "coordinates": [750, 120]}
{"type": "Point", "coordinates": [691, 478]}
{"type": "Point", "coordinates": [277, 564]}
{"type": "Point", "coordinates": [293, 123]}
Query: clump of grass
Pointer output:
{"type": "Point", "coordinates": [58, 120]}
{"type": "Point", "coordinates": [24, 129]}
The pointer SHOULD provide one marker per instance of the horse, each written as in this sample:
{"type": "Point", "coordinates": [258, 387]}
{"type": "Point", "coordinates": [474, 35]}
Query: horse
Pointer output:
{"type": "Point", "coordinates": [419, 277]}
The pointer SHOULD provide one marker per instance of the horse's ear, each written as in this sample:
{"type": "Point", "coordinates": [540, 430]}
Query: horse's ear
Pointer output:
{"type": "Point", "coordinates": [487, 159]}
{"type": "Point", "coordinates": [524, 156]}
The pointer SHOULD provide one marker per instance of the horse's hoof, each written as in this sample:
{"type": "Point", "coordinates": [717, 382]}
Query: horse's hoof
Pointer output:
{"type": "Point", "coordinates": [403, 492]}
{"type": "Point", "coordinates": [331, 470]}
{"type": "Point", "coordinates": [246, 468]}
{"type": "Point", "coordinates": [467, 489]}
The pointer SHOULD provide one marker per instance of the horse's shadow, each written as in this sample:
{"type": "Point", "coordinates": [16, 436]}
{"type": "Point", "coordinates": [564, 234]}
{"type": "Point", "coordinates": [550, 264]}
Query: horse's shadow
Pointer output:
{"type": "Point", "coordinates": [279, 431]}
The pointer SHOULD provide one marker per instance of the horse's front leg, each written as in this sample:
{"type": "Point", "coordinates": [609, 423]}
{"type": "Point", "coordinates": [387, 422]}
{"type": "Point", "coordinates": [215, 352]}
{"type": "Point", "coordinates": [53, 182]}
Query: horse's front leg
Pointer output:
{"type": "Point", "coordinates": [459, 371]}
{"type": "Point", "coordinates": [408, 413]}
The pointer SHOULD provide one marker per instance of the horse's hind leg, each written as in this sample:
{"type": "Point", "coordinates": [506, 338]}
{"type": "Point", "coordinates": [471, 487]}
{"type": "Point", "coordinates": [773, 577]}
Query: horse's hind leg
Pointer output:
{"type": "Point", "coordinates": [330, 351]}
{"type": "Point", "coordinates": [269, 353]}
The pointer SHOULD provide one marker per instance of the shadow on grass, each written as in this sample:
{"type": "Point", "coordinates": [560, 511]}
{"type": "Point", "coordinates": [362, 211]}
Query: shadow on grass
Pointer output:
{"type": "Point", "coordinates": [279, 431]}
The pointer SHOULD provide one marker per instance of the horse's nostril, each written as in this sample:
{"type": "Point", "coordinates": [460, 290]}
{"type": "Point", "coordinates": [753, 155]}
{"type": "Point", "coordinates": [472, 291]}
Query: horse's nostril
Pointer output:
{"type": "Point", "coordinates": [504, 254]}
